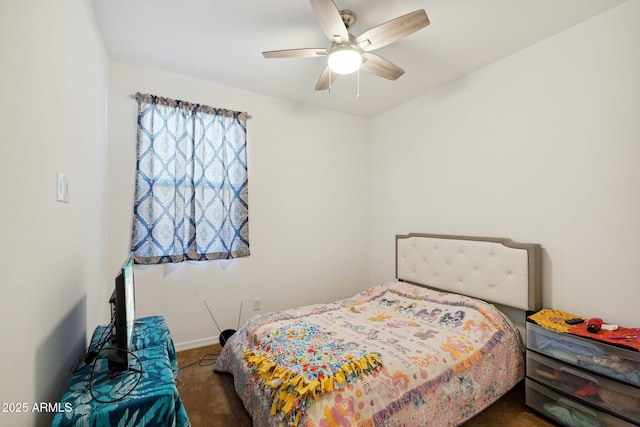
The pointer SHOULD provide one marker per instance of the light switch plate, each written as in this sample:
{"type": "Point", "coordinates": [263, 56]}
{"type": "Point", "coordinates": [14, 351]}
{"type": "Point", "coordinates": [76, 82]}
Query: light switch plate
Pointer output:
{"type": "Point", "coordinates": [62, 188]}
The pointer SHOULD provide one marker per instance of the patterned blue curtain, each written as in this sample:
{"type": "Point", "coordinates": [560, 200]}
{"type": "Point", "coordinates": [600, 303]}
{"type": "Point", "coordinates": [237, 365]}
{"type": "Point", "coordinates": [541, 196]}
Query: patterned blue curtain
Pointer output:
{"type": "Point", "coordinates": [191, 196]}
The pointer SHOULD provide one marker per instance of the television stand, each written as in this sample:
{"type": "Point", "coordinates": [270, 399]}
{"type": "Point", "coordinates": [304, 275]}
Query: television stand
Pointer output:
{"type": "Point", "coordinates": [144, 395]}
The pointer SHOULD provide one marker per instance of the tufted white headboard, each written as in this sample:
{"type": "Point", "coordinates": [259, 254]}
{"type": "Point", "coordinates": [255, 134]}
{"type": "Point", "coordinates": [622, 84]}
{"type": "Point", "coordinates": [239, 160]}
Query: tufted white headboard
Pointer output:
{"type": "Point", "coordinates": [492, 269]}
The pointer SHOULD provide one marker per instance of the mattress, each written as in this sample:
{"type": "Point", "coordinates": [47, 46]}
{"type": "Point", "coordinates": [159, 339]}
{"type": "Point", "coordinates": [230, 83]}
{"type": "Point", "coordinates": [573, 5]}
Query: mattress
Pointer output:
{"type": "Point", "coordinates": [394, 354]}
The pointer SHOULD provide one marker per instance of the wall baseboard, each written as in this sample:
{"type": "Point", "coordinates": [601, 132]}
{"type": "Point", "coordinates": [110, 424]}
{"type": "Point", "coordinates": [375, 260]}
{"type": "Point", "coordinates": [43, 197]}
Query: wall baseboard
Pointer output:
{"type": "Point", "coordinates": [196, 343]}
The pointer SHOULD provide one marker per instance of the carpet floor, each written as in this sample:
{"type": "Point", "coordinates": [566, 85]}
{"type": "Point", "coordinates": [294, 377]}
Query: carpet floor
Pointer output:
{"type": "Point", "coordinates": [210, 399]}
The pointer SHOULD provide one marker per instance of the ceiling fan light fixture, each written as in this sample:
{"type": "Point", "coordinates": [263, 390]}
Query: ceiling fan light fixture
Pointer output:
{"type": "Point", "coordinates": [344, 60]}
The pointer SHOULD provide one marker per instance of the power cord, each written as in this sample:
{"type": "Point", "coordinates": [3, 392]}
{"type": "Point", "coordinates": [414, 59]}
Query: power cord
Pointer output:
{"type": "Point", "coordinates": [89, 356]}
{"type": "Point", "coordinates": [115, 374]}
{"type": "Point", "coordinates": [205, 360]}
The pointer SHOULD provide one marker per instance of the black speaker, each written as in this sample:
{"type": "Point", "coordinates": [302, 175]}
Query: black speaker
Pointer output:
{"type": "Point", "coordinates": [225, 335]}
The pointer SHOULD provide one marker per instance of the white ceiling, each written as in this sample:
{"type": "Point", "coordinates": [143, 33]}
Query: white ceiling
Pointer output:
{"type": "Point", "coordinates": [222, 41]}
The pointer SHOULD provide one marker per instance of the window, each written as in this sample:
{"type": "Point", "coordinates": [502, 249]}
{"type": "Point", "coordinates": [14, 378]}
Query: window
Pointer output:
{"type": "Point", "coordinates": [191, 193]}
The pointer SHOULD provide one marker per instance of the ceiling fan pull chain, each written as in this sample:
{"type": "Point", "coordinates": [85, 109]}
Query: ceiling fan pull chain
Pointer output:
{"type": "Point", "coordinates": [358, 85]}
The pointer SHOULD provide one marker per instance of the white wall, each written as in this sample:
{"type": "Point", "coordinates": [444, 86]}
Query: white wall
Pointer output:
{"type": "Point", "coordinates": [53, 76]}
{"type": "Point", "coordinates": [308, 194]}
{"type": "Point", "coordinates": [539, 147]}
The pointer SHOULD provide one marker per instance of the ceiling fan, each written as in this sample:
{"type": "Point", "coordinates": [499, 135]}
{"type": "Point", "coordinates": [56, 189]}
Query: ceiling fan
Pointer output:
{"type": "Point", "coordinates": [349, 53]}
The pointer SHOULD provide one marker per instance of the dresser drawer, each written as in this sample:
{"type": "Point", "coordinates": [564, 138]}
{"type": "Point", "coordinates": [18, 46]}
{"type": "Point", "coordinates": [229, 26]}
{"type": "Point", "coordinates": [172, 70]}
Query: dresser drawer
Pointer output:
{"type": "Point", "coordinates": [566, 411]}
{"type": "Point", "coordinates": [594, 356]}
{"type": "Point", "coordinates": [609, 395]}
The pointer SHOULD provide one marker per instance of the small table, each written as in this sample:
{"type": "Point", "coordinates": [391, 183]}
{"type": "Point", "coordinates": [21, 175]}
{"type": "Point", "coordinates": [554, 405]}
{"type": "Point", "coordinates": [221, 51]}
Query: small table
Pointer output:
{"type": "Point", "coordinates": [96, 396]}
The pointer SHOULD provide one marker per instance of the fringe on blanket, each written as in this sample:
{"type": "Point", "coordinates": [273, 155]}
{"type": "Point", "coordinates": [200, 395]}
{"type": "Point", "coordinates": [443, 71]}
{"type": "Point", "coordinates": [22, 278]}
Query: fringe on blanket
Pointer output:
{"type": "Point", "coordinates": [293, 394]}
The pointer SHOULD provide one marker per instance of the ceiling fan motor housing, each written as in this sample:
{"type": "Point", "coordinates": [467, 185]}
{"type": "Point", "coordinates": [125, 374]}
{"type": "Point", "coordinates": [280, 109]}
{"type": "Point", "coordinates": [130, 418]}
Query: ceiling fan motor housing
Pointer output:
{"type": "Point", "coordinates": [348, 17]}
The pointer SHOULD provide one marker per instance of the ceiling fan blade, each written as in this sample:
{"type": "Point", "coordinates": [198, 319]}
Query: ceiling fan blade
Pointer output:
{"type": "Point", "coordinates": [330, 21]}
{"type": "Point", "coordinates": [323, 82]}
{"type": "Point", "coordinates": [296, 53]}
{"type": "Point", "coordinates": [379, 66]}
{"type": "Point", "coordinates": [392, 31]}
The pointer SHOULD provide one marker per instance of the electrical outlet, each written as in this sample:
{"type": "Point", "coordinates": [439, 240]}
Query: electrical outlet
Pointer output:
{"type": "Point", "coordinates": [256, 304]}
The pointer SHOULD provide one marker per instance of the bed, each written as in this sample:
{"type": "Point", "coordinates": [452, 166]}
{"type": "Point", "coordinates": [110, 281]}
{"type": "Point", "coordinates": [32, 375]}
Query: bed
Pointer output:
{"type": "Point", "coordinates": [430, 348]}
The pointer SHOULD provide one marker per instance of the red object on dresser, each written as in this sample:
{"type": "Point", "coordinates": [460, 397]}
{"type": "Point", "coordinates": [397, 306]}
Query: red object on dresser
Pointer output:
{"type": "Point", "coordinates": [625, 337]}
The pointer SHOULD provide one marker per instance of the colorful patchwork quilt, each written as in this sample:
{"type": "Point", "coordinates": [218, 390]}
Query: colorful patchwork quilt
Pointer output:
{"type": "Point", "coordinates": [395, 354]}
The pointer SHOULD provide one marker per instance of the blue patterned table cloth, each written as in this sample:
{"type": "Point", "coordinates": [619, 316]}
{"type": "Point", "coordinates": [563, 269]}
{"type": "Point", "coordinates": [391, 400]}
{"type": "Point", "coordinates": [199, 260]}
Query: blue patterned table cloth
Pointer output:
{"type": "Point", "coordinates": [148, 332]}
{"type": "Point", "coordinates": [98, 397]}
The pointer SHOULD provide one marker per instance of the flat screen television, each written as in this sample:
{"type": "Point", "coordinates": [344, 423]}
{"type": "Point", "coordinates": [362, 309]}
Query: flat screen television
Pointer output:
{"type": "Point", "coordinates": [122, 317]}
